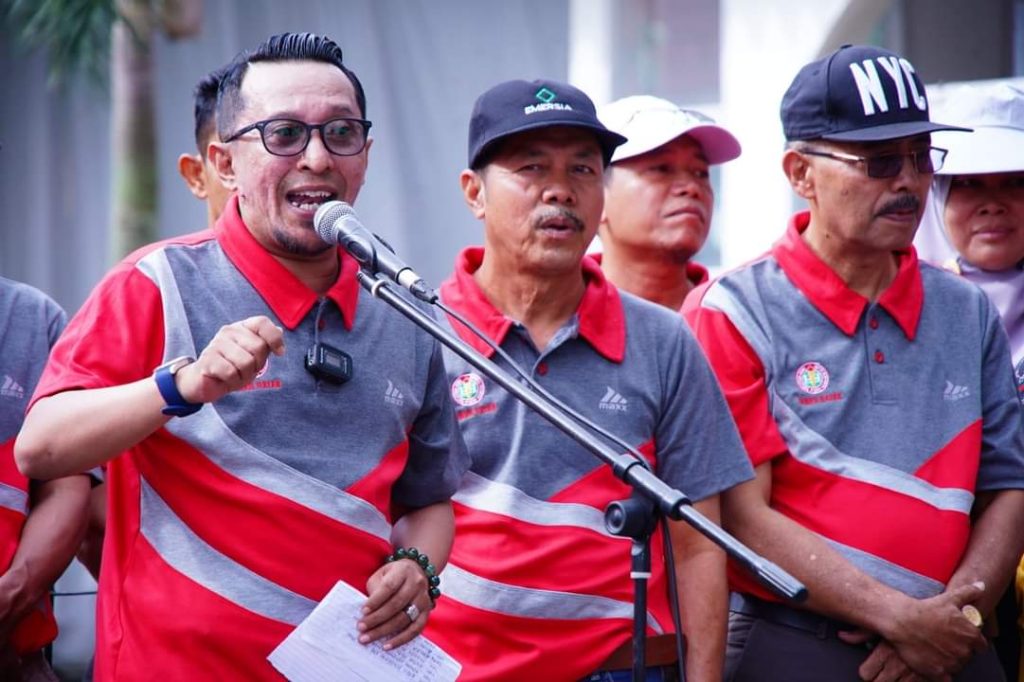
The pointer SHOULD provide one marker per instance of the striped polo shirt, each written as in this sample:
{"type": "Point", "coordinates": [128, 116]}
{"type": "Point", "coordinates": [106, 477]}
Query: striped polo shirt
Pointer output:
{"type": "Point", "coordinates": [536, 588]}
{"type": "Point", "coordinates": [881, 419]}
{"type": "Point", "coordinates": [226, 527]}
{"type": "Point", "coordinates": [31, 324]}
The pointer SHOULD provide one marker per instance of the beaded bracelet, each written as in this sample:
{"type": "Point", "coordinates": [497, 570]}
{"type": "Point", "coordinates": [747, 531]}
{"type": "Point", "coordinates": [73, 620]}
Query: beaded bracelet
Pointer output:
{"type": "Point", "coordinates": [423, 562]}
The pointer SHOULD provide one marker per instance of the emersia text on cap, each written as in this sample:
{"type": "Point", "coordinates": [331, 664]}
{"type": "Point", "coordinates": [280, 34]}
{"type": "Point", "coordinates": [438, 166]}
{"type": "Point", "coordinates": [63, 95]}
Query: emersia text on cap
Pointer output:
{"type": "Point", "coordinates": [548, 103]}
{"type": "Point", "coordinates": [550, 106]}
{"type": "Point", "coordinates": [869, 84]}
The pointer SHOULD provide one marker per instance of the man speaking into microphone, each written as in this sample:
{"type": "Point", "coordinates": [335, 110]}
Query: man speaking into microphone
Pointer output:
{"type": "Point", "coordinates": [336, 223]}
{"type": "Point", "coordinates": [280, 431]}
{"type": "Point", "coordinates": [537, 589]}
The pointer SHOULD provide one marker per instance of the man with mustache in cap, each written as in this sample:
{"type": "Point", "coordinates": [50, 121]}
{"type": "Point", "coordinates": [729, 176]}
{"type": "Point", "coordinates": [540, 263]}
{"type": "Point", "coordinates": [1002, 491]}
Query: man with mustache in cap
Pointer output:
{"type": "Point", "coordinates": [896, 501]}
{"type": "Point", "coordinates": [536, 588]}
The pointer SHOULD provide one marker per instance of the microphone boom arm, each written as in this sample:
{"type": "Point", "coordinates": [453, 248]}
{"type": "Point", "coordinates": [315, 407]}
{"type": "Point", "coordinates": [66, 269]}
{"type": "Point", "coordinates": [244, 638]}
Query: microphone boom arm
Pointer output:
{"type": "Point", "coordinates": [673, 503]}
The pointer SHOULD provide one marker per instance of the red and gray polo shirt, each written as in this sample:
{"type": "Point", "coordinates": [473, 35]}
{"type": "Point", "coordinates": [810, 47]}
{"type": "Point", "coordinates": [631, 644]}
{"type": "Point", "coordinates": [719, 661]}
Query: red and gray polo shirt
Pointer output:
{"type": "Point", "coordinates": [536, 588]}
{"type": "Point", "coordinates": [881, 419]}
{"type": "Point", "coordinates": [226, 527]}
{"type": "Point", "coordinates": [695, 272]}
{"type": "Point", "coordinates": [31, 324]}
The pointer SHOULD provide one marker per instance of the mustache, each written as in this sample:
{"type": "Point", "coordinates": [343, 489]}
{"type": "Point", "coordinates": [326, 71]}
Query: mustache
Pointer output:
{"type": "Point", "coordinates": [559, 213]}
{"type": "Point", "coordinates": [904, 202]}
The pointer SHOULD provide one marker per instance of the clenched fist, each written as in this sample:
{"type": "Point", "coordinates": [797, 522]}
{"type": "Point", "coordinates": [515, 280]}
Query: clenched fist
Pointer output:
{"type": "Point", "coordinates": [231, 359]}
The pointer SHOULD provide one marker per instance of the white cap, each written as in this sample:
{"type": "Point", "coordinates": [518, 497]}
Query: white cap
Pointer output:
{"type": "Point", "coordinates": [996, 113]}
{"type": "Point", "coordinates": [649, 122]}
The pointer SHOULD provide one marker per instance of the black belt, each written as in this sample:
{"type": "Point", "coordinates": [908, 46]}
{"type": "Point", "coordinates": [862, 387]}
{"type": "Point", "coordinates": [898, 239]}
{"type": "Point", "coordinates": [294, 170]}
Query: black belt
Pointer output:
{"type": "Point", "coordinates": [660, 651]}
{"type": "Point", "coordinates": [781, 614]}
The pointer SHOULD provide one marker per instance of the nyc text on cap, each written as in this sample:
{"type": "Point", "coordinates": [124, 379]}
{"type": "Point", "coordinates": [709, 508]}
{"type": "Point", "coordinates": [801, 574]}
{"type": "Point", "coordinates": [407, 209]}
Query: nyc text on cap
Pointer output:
{"type": "Point", "coordinates": [859, 93]}
{"type": "Point", "coordinates": [517, 106]}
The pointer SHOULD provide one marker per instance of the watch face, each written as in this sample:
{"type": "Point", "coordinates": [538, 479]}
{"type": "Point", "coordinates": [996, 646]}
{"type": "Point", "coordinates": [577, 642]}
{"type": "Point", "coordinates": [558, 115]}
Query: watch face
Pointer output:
{"type": "Point", "coordinates": [177, 363]}
{"type": "Point", "coordinates": [175, 403]}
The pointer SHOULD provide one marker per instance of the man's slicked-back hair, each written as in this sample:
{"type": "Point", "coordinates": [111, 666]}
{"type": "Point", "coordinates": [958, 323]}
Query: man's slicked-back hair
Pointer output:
{"type": "Point", "coordinates": [205, 97]}
{"type": "Point", "coordinates": [278, 48]}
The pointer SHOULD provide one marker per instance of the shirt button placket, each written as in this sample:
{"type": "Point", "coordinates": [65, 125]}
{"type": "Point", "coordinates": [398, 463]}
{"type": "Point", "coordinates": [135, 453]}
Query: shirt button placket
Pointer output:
{"type": "Point", "coordinates": [880, 368]}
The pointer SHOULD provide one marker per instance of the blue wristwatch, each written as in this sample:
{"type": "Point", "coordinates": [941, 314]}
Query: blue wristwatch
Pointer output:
{"type": "Point", "coordinates": [164, 376]}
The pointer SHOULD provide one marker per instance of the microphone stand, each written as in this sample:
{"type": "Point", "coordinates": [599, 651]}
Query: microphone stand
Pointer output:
{"type": "Point", "coordinates": [633, 517]}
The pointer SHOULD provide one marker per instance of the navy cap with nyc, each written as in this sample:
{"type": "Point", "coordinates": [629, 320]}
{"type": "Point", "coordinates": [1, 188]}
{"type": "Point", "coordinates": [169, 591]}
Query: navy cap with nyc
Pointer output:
{"type": "Point", "coordinates": [517, 106]}
{"type": "Point", "coordinates": [859, 93]}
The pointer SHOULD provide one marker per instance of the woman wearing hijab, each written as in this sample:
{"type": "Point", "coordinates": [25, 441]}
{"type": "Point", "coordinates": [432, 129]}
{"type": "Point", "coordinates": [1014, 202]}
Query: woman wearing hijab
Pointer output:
{"type": "Point", "coordinates": [977, 205]}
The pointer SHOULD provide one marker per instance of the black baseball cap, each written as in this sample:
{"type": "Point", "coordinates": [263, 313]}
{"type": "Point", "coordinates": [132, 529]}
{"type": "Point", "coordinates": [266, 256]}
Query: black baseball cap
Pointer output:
{"type": "Point", "coordinates": [859, 93]}
{"type": "Point", "coordinates": [517, 106]}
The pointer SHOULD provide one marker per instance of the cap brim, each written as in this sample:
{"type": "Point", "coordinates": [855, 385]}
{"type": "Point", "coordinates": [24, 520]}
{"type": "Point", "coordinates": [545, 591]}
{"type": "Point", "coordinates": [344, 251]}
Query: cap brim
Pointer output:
{"type": "Point", "coordinates": [892, 131]}
{"type": "Point", "coordinates": [608, 140]}
{"type": "Point", "coordinates": [986, 150]}
{"type": "Point", "coordinates": [718, 144]}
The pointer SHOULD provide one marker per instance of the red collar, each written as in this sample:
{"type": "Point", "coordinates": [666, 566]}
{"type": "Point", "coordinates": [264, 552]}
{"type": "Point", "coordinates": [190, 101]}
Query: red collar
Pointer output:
{"type": "Point", "coordinates": [695, 272]}
{"type": "Point", "coordinates": [601, 319]}
{"type": "Point", "coordinates": [288, 298]}
{"type": "Point", "coordinates": [828, 292]}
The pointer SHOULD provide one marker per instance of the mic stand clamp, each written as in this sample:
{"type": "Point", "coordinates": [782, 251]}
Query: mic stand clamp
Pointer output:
{"type": "Point", "coordinates": [635, 518]}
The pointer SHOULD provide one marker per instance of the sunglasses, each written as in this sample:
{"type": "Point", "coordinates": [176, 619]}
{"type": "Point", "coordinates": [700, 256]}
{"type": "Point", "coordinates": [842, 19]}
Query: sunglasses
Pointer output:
{"type": "Point", "coordinates": [888, 165]}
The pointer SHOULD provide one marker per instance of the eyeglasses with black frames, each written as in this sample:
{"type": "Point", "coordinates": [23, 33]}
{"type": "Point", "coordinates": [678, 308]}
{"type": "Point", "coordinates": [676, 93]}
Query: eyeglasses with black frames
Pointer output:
{"type": "Point", "coordinates": [288, 137]}
{"type": "Point", "coordinates": [928, 160]}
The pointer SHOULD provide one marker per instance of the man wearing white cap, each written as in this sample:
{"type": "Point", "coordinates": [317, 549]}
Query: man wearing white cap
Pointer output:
{"type": "Point", "coordinates": [658, 196]}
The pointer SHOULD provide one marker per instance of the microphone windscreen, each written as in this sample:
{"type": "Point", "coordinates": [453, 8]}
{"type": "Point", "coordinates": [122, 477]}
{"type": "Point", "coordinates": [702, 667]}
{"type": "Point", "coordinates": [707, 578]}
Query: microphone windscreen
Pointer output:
{"type": "Point", "coordinates": [327, 215]}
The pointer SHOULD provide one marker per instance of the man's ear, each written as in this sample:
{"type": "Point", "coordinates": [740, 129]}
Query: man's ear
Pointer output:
{"type": "Point", "coordinates": [219, 155]}
{"type": "Point", "coordinates": [799, 172]}
{"type": "Point", "coordinates": [190, 166]}
{"type": "Point", "coordinates": [602, 225]}
{"type": "Point", "coordinates": [473, 191]}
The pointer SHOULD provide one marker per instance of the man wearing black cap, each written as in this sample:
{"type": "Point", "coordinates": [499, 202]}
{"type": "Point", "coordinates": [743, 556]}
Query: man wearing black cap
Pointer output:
{"type": "Point", "coordinates": [536, 589]}
{"type": "Point", "coordinates": [887, 441]}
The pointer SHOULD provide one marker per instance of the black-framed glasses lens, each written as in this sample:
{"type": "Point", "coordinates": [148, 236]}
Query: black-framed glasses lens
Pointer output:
{"type": "Point", "coordinates": [889, 165]}
{"type": "Point", "coordinates": [341, 136]}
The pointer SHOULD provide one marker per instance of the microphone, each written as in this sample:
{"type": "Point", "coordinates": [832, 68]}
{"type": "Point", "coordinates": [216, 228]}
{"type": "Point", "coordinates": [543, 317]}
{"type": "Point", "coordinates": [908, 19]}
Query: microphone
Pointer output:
{"type": "Point", "coordinates": [336, 223]}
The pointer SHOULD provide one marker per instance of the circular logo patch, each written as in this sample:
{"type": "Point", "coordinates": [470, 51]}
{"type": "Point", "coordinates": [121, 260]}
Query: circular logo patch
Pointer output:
{"type": "Point", "coordinates": [812, 377]}
{"type": "Point", "coordinates": [468, 389]}
{"type": "Point", "coordinates": [263, 369]}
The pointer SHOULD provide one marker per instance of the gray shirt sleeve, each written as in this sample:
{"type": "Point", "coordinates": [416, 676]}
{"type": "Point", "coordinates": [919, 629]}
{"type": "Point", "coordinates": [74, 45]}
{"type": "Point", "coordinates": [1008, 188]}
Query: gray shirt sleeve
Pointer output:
{"type": "Point", "coordinates": [437, 453]}
{"type": "Point", "coordinates": [32, 321]}
{"type": "Point", "coordinates": [698, 446]}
